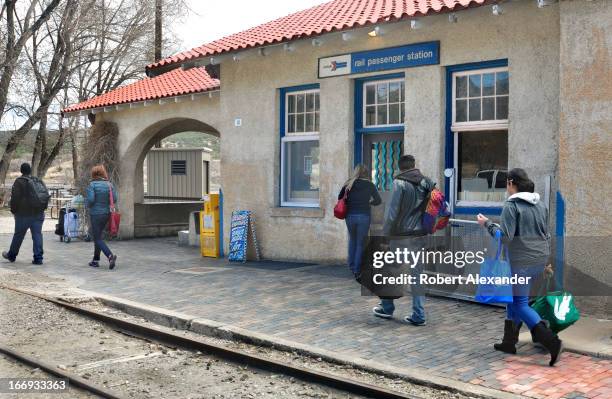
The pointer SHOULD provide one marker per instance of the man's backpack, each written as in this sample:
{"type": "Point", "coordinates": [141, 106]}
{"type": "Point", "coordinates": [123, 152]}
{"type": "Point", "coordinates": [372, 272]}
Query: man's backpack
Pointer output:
{"type": "Point", "coordinates": [37, 196]}
{"type": "Point", "coordinates": [435, 212]}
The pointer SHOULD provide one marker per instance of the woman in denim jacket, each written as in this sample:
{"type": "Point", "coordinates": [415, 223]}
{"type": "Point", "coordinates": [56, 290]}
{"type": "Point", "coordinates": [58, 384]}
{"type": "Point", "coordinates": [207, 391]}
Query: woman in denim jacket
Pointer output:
{"type": "Point", "coordinates": [98, 201]}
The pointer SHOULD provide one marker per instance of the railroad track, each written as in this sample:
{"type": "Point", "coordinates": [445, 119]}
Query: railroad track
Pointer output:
{"type": "Point", "coordinates": [167, 337]}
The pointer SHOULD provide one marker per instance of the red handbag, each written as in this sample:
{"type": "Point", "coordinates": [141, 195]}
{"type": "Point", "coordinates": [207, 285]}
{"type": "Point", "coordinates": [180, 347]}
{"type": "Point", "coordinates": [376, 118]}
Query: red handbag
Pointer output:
{"type": "Point", "coordinates": [115, 217]}
{"type": "Point", "coordinates": [341, 208]}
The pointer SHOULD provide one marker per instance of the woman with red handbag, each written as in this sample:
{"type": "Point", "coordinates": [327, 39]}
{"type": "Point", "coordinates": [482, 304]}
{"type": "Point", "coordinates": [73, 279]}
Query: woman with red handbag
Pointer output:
{"type": "Point", "coordinates": [358, 194]}
{"type": "Point", "coordinates": [101, 199]}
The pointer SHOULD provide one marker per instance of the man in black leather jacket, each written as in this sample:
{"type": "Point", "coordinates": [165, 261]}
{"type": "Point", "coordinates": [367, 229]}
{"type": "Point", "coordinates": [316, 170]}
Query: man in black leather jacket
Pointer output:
{"type": "Point", "coordinates": [403, 227]}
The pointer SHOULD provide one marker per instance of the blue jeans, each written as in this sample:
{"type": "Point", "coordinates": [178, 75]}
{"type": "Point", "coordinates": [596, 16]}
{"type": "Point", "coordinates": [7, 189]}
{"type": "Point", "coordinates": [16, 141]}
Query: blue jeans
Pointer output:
{"type": "Point", "coordinates": [416, 289]}
{"type": "Point", "coordinates": [358, 226]}
{"type": "Point", "coordinates": [418, 301]}
{"type": "Point", "coordinates": [519, 310]}
{"type": "Point", "coordinates": [98, 224]}
{"type": "Point", "coordinates": [22, 224]}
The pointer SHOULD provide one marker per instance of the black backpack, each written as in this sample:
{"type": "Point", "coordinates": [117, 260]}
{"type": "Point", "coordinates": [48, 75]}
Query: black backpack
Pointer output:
{"type": "Point", "coordinates": [37, 195]}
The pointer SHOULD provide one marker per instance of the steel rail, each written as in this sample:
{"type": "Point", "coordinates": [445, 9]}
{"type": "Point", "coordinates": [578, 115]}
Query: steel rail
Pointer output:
{"type": "Point", "coordinates": [73, 379]}
{"type": "Point", "coordinates": [172, 339]}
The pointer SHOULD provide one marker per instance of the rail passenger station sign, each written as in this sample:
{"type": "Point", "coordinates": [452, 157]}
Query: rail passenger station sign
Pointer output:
{"type": "Point", "coordinates": [408, 56]}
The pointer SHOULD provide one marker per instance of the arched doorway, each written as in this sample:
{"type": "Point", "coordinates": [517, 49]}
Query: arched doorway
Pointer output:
{"type": "Point", "coordinates": [147, 217]}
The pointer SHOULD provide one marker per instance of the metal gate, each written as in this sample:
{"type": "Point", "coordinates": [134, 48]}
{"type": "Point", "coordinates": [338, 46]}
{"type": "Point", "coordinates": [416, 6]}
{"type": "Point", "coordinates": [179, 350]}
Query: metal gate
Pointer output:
{"type": "Point", "coordinates": [461, 235]}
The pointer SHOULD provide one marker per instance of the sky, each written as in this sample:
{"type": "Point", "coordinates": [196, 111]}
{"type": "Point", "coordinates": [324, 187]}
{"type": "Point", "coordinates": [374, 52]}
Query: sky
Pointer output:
{"type": "Point", "coordinates": [210, 20]}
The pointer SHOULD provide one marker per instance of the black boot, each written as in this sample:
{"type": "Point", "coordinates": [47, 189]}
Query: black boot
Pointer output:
{"type": "Point", "coordinates": [533, 339]}
{"type": "Point", "coordinates": [549, 340]}
{"type": "Point", "coordinates": [511, 333]}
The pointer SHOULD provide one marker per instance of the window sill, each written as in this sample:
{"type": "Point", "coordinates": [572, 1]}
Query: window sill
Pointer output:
{"type": "Point", "coordinates": [299, 212]}
{"type": "Point", "coordinates": [475, 210]}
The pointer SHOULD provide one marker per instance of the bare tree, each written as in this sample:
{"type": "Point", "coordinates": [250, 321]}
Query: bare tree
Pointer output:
{"type": "Point", "coordinates": [122, 33]}
{"type": "Point", "coordinates": [48, 86]}
{"type": "Point", "coordinates": [77, 50]}
{"type": "Point", "coordinates": [15, 39]}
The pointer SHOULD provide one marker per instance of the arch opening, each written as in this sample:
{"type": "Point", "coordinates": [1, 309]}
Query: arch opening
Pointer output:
{"type": "Point", "coordinates": [169, 183]}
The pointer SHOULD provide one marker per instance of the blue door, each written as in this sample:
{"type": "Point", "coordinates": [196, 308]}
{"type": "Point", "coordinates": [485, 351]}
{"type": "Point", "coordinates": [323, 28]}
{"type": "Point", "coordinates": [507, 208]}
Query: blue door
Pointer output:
{"type": "Point", "coordinates": [381, 153]}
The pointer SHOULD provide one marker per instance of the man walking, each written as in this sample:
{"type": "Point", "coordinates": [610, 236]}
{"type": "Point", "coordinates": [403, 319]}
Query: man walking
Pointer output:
{"type": "Point", "coordinates": [29, 199]}
{"type": "Point", "coordinates": [402, 225]}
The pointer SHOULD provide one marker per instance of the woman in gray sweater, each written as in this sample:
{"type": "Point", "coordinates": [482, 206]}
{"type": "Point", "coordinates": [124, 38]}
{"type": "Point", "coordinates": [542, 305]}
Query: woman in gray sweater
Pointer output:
{"type": "Point", "coordinates": [524, 229]}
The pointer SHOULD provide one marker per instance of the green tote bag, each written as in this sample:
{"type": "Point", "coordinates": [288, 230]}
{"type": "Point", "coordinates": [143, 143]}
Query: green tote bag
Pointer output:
{"type": "Point", "coordinates": [558, 308]}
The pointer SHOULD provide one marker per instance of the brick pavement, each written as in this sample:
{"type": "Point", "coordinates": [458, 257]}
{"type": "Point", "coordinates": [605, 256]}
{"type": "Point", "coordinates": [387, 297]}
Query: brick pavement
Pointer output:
{"type": "Point", "coordinates": [321, 305]}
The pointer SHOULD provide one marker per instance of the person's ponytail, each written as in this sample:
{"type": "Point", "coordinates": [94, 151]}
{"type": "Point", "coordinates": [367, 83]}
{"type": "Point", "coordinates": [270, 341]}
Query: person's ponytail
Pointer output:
{"type": "Point", "coordinates": [360, 172]}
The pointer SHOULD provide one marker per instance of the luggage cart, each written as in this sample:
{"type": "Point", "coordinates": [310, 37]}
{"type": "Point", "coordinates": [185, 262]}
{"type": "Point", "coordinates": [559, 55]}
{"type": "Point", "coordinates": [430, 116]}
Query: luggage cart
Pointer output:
{"type": "Point", "coordinates": [461, 235]}
{"type": "Point", "coordinates": [75, 223]}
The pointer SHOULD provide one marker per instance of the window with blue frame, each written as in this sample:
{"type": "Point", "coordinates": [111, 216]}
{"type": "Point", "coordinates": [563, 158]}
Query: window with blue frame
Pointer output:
{"type": "Point", "coordinates": [383, 103]}
{"type": "Point", "coordinates": [300, 110]}
{"type": "Point", "coordinates": [479, 129]}
{"type": "Point", "coordinates": [379, 125]}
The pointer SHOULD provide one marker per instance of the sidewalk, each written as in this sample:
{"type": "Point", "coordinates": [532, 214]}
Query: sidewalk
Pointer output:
{"type": "Point", "coordinates": [321, 306]}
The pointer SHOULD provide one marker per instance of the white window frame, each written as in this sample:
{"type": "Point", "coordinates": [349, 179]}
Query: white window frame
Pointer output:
{"type": "Point", "coordinates": [474, 126]}
{"type": "Point", "coordinates": [288, 139]}
{"type": "Point", "coordinates": [286, 110]}
{"type": "Point", "coordinates": [365, 104]}
{"type": "Point", "coordinates": [498, 124]}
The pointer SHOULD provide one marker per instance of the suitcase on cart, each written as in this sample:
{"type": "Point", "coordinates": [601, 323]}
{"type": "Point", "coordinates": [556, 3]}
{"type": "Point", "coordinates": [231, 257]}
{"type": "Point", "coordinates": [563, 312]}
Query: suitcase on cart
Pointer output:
{"type": "Point", "coordinates": [59, 226]}
{"type": "Point", "coordinates": [71, 225]}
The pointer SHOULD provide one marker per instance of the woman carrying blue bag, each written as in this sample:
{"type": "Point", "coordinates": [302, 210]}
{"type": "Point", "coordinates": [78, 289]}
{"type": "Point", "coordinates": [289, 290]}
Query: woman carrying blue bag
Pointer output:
{"type": "Point", "coordinates": [524, 230]}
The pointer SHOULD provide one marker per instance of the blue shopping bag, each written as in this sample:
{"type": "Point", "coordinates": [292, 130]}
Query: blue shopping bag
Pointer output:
{"type": "Point", "coordinates": [496, 267]}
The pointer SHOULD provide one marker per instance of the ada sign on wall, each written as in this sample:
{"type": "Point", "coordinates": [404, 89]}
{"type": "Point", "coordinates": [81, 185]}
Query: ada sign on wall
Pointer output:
{"type": "Point", "coordinates": [408, 56]}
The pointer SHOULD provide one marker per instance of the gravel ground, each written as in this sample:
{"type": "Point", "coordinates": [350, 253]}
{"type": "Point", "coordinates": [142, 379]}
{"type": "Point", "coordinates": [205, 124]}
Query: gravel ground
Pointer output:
{"type": "Point", "coordinates": [294, 358]}
{"type": "Point", "coordinates": [134, 367]}
{"type": "Point", "coordinates": [11, 369]}
{"type": "Point", "coordinates": [142, 369]}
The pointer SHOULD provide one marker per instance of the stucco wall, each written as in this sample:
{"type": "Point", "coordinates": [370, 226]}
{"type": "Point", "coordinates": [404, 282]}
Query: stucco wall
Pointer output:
{"type": "Point", "coordinates": [585, 167]}
{"type": "Point", "coordinates": [250, 168]}
{"type": "Point", "coordinates": [249, 91]}
{"type": "Point", "coordinates": [140, 128]}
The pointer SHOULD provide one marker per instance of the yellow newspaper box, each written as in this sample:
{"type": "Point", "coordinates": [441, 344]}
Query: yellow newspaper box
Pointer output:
{"type": "Point", "coordinates": [209, 226]}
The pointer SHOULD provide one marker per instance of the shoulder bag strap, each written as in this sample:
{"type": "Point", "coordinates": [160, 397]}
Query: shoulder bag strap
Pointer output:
{"type": "Point", "coordinates": [346, 192]}
{"type": "Point", "coordinates": [500, 245]}
{"type": "Point", "coordinates": [545, 288]}
{"type": "Point", "coordinates": [110, 195]}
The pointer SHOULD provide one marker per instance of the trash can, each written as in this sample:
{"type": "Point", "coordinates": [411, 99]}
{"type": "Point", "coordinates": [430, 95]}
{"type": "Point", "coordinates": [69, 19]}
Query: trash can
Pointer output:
{"type": "Point", "coordinates": [209, 227]}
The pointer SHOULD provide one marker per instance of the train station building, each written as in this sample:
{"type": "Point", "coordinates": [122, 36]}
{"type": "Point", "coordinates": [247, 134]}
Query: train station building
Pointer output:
{"type": "Point", "coordinates": [471, 88]}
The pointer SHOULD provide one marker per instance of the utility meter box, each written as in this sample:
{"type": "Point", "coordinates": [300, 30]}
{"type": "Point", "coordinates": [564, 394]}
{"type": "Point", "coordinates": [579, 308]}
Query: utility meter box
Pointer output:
{"type": "Point", "coordinates": [209, 227]}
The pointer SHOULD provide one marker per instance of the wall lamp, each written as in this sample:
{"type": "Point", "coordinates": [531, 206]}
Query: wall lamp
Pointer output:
{"type": "Point", "coordinates": [377, 31]}
{"type": "Point", "coordinates": [317, 42]}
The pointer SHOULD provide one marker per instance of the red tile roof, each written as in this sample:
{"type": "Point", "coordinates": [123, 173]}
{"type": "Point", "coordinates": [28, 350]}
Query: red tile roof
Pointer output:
{"type": "Point", "coordinates": [174, 83]}
{"type": "Point", "coordinates": [336, 15]}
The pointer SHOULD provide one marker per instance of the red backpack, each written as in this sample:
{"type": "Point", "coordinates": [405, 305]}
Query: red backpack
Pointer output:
{"type": "Point", "coordinates": [435, 214]}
